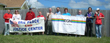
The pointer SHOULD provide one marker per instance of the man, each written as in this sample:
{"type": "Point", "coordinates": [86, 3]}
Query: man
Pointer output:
{"type": "Point", "coordinates": [40, 15]}
{"type": "Point", "coordinates": [58, 11]}
{"type": "Point", "coordinates": [79, 15]}
{"type": "Point", "coordinates": [7, 16]}
{"type": "Point", "coordinates": [99, 16]}
{"type": "Point", "coordinates": [49, 22]}
{"type": "Point", "coordinates": [66, 12]}
{"type": "Point", "coordinates": [30, 15]}
{"type": "Point", "coordinates": [89, 21]}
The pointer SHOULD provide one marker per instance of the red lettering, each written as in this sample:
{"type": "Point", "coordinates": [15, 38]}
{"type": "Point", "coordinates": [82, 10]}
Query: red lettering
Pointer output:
{"type": "Point", "coordinates": [28, 25]}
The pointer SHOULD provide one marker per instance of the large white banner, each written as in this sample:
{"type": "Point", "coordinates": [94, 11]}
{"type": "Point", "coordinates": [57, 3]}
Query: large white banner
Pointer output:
{"type": "Point", "coordinates": [34, 25]}
{"type": "Point", "coordinates": [68, 24]}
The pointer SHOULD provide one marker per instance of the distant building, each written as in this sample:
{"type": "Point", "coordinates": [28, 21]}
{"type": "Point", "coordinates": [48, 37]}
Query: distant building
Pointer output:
{"type": "Point", "coordinates": [13, 4]}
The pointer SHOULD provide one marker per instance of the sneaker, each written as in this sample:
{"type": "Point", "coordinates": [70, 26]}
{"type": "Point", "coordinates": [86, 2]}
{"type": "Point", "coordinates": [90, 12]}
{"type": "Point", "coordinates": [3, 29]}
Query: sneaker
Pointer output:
{"type": "Point", "coordinates": [97, 37]}
{"type": "Point", "coordinates": [100, 37]}
{"type": "Point", "coordinates": [4, 35]}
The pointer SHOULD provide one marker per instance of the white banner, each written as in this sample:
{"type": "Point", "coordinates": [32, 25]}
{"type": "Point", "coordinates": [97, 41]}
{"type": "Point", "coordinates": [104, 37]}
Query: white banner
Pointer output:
{"type": "Point", "coordinates": [34, 25]}
{"type": "Point", "coordinates": [68, 24]}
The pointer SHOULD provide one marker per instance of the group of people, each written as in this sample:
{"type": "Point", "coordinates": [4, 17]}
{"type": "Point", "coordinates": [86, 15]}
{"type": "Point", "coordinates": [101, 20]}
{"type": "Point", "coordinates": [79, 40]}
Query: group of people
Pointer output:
{"type": "Point", "coordinates": [30, 15]}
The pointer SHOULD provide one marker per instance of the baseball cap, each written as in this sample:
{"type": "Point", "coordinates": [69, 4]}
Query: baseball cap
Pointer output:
{"type": "Point", "coordinates": [97, 9]}
{"type": "Point", "coordinates": [30, 8]}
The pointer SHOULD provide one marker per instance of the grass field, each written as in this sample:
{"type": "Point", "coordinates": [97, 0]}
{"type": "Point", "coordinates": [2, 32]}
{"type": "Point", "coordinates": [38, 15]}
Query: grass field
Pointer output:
{"type": "Point", "coordinates": [51, 39]}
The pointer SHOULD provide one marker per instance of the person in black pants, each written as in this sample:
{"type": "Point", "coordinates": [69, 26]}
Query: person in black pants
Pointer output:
{"type": "Point", "coordinates": [89, 21]}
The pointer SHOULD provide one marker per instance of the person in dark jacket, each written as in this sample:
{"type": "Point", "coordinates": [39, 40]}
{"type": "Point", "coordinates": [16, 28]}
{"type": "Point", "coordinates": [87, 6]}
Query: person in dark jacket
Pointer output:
{"type": "Point", "coordinates": [89, 21]}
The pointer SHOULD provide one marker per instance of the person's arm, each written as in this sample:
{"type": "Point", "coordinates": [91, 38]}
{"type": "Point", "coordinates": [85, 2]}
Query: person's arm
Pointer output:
{"type": "Point", "coordinates": [44, 18]}
{"type": "Point", "coordinates": [86, 15]}
{"type": "Point", "coordinates": [95, 15]}
{"type": "Point", "coordinates": [47, 15]}
{"type": "Point", "coordinates": [13, 17]}
{"type": "Point", "coordinates": [5, 17]}
{"type": "Point", "coordinates": [19, 17]}
{"type": "Point", "coordinates": [92, 16]}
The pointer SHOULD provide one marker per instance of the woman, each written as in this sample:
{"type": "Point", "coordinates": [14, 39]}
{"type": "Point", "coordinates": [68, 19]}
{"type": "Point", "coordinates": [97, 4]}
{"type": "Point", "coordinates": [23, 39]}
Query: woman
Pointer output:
{"type": "Point", "coordinates": [16, 15]}
{"type": "Point", "coordinates": [66, 12]}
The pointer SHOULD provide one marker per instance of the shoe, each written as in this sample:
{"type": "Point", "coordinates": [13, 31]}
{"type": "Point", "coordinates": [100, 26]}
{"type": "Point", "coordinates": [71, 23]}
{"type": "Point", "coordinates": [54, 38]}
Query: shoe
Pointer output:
{"type": "Point", "coordinates": [100, 37]}
{"type": "Point", "coordinates": [97, 37]}
{"type": "Point", "coordinates": [4, 35]}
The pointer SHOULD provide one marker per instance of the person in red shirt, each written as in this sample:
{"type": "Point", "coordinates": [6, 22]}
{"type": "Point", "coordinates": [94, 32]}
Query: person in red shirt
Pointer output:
{"type": "Point", "coordinates": [7, 16]}
{"type": "Point", "coordinates": [30, 15]}
{"type": "Point", "coordinates": [40, 15]}
{"type": "Point", "coordinates": [99, 16]}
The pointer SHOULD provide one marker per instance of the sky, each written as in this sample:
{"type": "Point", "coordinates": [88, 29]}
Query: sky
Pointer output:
{"type": "Point", "coordinates": [72, 4]}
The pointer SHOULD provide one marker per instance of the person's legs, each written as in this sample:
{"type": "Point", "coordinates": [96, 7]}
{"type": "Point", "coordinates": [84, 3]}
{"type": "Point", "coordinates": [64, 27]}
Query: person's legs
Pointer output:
{"type": "Point", "coordinates": [50, 29]}
{"type": "Point", "coordinates": [42, 33]}
{"type": "Point", "coordinates": [87, 25]}
{"type": "Point", "coordinates": [100, 34]}
{"type": "Point", "coordinates": [91, 24]}
{"type": "Point", "coordinates": [8, 29]}
{"type": "Point", "coordinates": [5, 29]}
{"type": "Point", "coordinates": [97, 33]}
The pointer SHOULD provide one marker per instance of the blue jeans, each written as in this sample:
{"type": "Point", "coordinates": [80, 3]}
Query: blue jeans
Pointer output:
{"type": "Point", "coordinates": [98, 30]}
{"type": "Point", "coordinates": [6, 29]}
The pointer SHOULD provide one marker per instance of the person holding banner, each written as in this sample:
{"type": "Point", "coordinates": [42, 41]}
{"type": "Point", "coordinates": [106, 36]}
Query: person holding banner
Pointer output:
{"type": "Point", "coordinates": [30, 15]}
{"type": "Point", "coordinates": [58, 11]}
{"type": "Point", "coordinates": [7, 16]}
{"type": "Point", "coordinates": [49, 22]}
{"type": "Point", "coordinates": [40, 15]}
{"type": "Point", "coordinates": [89, 21]}
{"type": "Point", "coordinates": [79, 15]}
{"type": "Point", "coordinates": [99, 16]}
{"type": "Point", "coordinates": [66, 12]}
{"type": "Point", "coordinates": [16, 15]}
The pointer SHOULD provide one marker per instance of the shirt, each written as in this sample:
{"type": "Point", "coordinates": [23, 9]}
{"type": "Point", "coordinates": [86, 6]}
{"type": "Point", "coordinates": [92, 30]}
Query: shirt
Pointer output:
{"type": "Point", "coordinates": [68, 14]}
{"type": "Point", "coordinates": [16, 17]}
{"type": "Point", "coordinates": [50, 16]}
{"type": "Point", "coordinates": [30, 15]}
{"type": "Point", "coordinates": [90, 19]}
{"type": "Point", "coordinates": [58, 13]}
{"type": "Point", "coordinates": [98, 20]}
{"type": "Point", "coordinates": [6, 16]}
{"type": "Point", "coordinates": [41, 16]}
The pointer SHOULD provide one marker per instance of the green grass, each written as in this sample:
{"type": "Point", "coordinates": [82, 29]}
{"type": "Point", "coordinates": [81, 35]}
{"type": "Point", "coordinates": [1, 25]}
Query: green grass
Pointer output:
{"type": "Point", "coordinates": [51, 39]}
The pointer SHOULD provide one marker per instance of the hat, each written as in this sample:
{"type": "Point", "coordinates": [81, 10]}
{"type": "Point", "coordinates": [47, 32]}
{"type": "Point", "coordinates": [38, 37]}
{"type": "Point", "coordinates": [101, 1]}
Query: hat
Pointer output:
{"type": "Point", "coordinates": [97, 9]}
{"type": "Point", "coordinates": [30, 8]}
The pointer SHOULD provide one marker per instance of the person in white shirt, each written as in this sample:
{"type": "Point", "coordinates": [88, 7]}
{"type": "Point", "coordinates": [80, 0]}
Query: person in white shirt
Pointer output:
{"type": "Point", "coordinates": [16, 15]}
{"type": "Point", "coordinates": [49, 22]}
